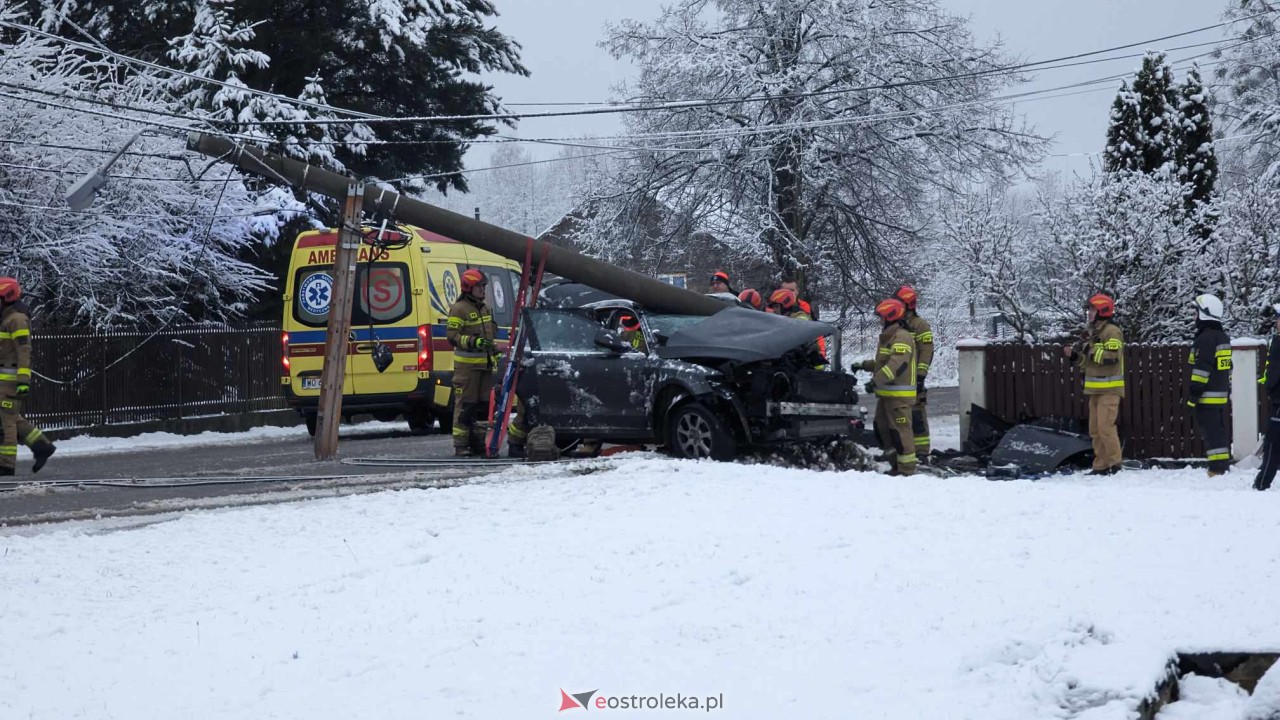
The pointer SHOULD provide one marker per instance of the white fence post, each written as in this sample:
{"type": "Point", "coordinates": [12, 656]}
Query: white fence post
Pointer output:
{"type": "Point", "coordinates": [972, 362]}
{"type": "Point", "coordinates": [1244, 396]}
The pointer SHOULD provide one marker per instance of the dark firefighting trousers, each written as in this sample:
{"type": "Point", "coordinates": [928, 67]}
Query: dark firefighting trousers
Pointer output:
{"type": "Point", "coordinates": [471, 386]}
{"type": "Point", "coordinates": [920, 424]}
{"type": "Point", "coordinates": [1211, 420]}
{"type": "Point", "coordinates": [1270, 452]}
{"type": "Point", "coordinates": [15, 429]}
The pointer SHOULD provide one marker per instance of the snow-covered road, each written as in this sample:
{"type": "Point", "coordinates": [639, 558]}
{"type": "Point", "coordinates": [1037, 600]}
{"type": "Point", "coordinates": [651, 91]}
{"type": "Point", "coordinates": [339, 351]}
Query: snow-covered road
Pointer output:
{"type": "Point", "coordinates": [790, 593]}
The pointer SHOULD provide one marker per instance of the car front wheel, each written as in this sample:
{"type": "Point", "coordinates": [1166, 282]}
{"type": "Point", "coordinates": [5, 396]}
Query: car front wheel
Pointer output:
{"type": "Point", "coordinates": [694, 431]}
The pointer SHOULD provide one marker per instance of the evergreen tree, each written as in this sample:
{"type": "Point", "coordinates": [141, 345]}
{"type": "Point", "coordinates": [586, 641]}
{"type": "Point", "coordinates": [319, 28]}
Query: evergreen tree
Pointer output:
{"type": "Point", "coordinates": [1158, 119]}
{"type": "Point", "coordinates": [1124, 141]}
{"type": "Point", "coordinates": [1199, 160]}
{"type": "Point", "coordinates": [382, 57]}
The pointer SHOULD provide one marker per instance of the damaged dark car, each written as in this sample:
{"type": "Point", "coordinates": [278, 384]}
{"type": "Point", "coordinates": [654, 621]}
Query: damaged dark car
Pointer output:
{"type": "Point", "coordinates": [703, 386]}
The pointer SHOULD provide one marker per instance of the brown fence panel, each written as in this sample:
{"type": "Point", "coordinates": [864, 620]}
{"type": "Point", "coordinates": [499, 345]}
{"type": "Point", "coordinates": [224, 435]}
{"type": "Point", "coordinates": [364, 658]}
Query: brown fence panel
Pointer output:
{"type": "Point", "coordinates": [1035, 381]}
{"type": "Point", "coordinates": [86, 379]}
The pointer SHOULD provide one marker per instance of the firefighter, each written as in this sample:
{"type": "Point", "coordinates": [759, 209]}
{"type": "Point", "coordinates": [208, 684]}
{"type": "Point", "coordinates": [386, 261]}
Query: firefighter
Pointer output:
{"type": "Point", "coordinates": [923, 335]}
{"type": "Point", "coordinates": [751, 297]}
{"type": "Point", "coordinates": [632, 334]}
{"type": "Point", "coordinates": [793, 286]}
{"type": "Point", "coordinates": [1270, 382]}
{"type": "Point", "coordinates": [1210, 362]}
{"type": "Point", "coordinates": [472, 332]}
{"type": "Point", "coordinates": [783, 302]}
{"type": "Point", "coordinates": [894, 384]}
{"type": "Point", "coordinates": [720, 283]}
{"type": "Point", "coordinates": [1102, 359]}
{"type": "Point", "coordinates": [15, 382]}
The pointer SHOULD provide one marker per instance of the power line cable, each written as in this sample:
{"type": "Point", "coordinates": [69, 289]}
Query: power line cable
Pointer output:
{"type": "Point", "coordinates": [174, 71]}
{"type": "Point", "coordinates": [715, 102]}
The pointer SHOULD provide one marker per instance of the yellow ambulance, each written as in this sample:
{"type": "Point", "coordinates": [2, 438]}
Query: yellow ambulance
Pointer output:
{"type": "Point", "coordinates": [405, 283]}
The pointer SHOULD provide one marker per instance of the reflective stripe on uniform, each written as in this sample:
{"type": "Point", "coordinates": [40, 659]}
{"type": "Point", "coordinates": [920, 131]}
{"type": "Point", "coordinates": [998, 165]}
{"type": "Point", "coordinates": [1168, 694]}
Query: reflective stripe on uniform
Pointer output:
{"type": "Point", "coordinates": [888, 372]}
{"type": "Point", "coordinates": [455, 323]}
{"type": "Point", "coordinates": [461, 431]}
{"type": "Point", "coordinates": [1214, 398]}
{"type": "Point", "coordinates": [1200, 376]}
{"type": "Point", "coordinates": [20, 333]}
{"type": "Point", "coordinates": [8, 376]}
{"type": "Point", "coordinates": [922, 368]}
{"type": "Point", "coordinates": [901, 349]}
{"type": "Point", "coordinates": [33, 436]}
{"type": "Point", "coordinates": [922, 440]}
{"type": "Point", "coordinates": [459, 358]}
{"type": "Point", "coordinates": [516, 433]}
{"type": "Point", "coordinates": [8, 450]}
{"type": "Point", "coordinates": [896, 391]}
{"type": "Point", "coordinates": [908, 459]}
{"type": "Point", "coordinates": [924, 337]}
{"type": "Point", "coordinates": [1114, 344]}
{"type": "Point", "coordinates": [1102, 383]}
{"type": "Point", "coordinates": [1218, 454]}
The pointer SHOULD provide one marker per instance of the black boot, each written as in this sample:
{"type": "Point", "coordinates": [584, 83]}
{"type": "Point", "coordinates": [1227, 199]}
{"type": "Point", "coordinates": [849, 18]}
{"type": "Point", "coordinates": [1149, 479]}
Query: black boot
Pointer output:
{"type": "Point", "coordinates": [4, 472]}
{"type": "Point", "coordinates": [515, 450]}
{"type": "Point", "coordinates": [43, 450]}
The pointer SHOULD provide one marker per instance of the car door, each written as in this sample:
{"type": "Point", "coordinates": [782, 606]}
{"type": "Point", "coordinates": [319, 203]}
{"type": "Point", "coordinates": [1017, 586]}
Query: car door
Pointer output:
{"type": "Point", "coordinates": [581, 386]}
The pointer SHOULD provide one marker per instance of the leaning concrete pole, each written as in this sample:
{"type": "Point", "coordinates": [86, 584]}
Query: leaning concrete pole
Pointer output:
{"type": "Point", "coordinates": [649, 292]}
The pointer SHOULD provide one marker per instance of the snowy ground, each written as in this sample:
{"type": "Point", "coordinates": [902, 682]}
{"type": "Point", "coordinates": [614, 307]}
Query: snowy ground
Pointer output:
{"type": "Point", "coordinates": [789, 593]}
{"type": "Point", "coordinates": [88, 445]}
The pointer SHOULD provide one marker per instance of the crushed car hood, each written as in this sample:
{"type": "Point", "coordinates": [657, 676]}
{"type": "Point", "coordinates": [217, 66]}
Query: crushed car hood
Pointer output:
{"type": "Point", "coordinates": [742, 335]}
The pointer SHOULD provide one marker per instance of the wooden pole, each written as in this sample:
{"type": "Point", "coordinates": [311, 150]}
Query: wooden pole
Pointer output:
{"type": "Point", "coordinates": [336, 342]}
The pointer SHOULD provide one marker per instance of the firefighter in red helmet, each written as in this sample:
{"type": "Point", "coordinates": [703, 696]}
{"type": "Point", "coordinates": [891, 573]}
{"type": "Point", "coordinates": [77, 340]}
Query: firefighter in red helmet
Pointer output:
{"type": "Point", "coordinates": [1102, 359]}
{"type": "Point", "coordinates": [751, 297]}
{"type": "Point", "coordinates": [15, 382]}
{"type": "Point", "coordinates": [923, 335]}
{"type": "Point", "coordinates": [894, 384]}
{"type": "Point", "coordinates": [473, 334]}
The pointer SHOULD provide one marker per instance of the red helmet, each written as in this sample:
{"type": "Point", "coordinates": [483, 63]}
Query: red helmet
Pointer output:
{"type": "Point", "coordinates": [891, 310]}
{"type": "Point", "coordinates": [1105, 306]}
{"type": "Point", "coordinates": [472, 278]}
{"type": "Point", "coordinates": [908, 296]}
{"type": "Point", "coordinates": [720, 276]}
{"type": "Point", "coordinates": [10, 289]}
{"type": "Point", "coordinates": [629, 322]}
{"type": "Point", "coordinates": [784, 298]}
{"type": "Point", "coordinates": [751, 297]}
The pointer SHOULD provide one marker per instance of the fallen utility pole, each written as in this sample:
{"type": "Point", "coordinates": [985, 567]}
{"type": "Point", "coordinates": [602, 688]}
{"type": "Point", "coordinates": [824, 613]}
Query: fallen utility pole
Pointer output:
{"type": "Point", "coordinates": [649, 292]}
{"type": "Point", "coordinates": [336, 353]}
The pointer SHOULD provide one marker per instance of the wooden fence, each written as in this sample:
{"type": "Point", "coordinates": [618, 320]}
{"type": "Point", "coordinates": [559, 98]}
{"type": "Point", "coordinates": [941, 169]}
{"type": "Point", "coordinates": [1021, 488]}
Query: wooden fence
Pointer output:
{"type": "Point", "coordinates": [86, 379]}
{"type": "Point", "coordinates": [1035, 381]}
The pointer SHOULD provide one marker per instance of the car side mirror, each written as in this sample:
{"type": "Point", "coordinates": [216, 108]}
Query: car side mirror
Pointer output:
{"type": "Point", "coordinates": [611, 342]}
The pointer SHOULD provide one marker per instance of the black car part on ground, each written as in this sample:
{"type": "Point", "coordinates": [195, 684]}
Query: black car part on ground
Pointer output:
{"type": "Point", "coordinates": [1031, 449]}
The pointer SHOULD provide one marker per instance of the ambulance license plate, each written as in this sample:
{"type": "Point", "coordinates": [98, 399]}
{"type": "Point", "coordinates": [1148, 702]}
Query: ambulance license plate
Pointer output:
{"type": "Point", "coordinates": [311, 383]}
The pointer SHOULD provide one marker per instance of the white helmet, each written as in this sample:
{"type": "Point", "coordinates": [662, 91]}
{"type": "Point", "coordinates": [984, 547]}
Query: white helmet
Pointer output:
{"type": "Point", "coordinates": [1208, 307]}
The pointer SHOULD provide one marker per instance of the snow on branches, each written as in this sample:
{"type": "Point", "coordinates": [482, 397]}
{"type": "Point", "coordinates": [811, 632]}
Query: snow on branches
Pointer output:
{"type": "Point", "coordinates": [833, 122]}
{"type": "Point", "coordinates": [146, 251]}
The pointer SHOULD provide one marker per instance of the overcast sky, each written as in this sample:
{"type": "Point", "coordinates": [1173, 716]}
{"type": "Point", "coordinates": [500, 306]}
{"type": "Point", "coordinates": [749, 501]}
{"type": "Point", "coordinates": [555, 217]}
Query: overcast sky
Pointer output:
{"type": "Point", "coordinates": [559, 39]}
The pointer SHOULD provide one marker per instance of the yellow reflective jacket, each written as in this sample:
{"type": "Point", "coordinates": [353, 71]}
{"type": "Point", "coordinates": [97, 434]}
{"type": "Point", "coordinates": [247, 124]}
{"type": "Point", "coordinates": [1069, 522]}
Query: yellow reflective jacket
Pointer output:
{"type": "Point", "coordinates": [15, 350]}
{"type": "Point", "coordinates": [469, 321]}
{"type": "Point", "coordinates": [923, 335]}
{"type": "Point", "coordinates": [1103, 360]}
{"type": "Point", "coordinates": [894, 366]}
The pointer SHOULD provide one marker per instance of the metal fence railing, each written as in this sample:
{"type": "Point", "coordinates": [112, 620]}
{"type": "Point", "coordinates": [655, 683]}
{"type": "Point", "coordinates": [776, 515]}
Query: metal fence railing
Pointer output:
{"type": "Point", "coordinates": [86, 379]}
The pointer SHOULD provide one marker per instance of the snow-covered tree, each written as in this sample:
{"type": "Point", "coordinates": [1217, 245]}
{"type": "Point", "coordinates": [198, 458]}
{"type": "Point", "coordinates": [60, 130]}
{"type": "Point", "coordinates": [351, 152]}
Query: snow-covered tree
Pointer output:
{"type": "Point", "coordinates": [381, 57]}
{"type": "Point", "coordinates": [1246, 249]}
{"type": "Point", "coordinates": [1145, 123]}
{"type": "Point", "coordinates": [987, 260]}
{"type": "Point", "coordinates": [1124, 234]}
{"type": "Point", "coordinates": [162, 239]}
{"type": "Point", "coordinates": [1124, 137]}
{"type": "Point", "coordinates": [830, 125]}
{"type": "Point", "coordinates": [1199, 159]}
{"type": "Point", "coordinates": [1250, 104]}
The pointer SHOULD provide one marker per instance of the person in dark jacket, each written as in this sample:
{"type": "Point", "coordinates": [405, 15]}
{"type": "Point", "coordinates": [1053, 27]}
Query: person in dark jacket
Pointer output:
{"type": "Point", "coordinates": [1270, 383]}
{"type": "Point", "coordinates": [1210, 362]}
